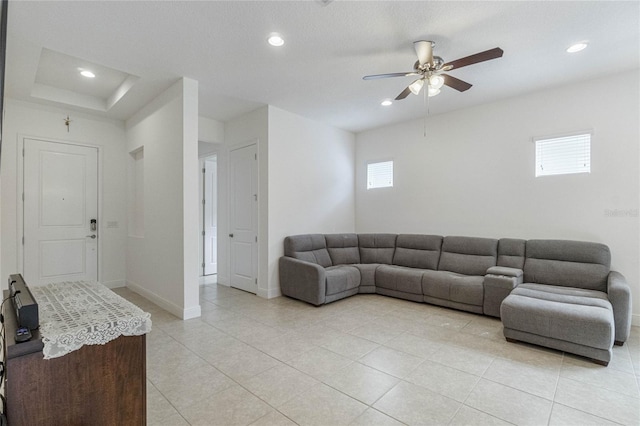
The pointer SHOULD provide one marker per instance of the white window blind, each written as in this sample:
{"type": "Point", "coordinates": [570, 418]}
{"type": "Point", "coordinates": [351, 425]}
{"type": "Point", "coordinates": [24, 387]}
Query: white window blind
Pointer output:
{"type": "Point", "coordinates": [380, 175]}
{"type": "Point", "coordinates": [564, 155]}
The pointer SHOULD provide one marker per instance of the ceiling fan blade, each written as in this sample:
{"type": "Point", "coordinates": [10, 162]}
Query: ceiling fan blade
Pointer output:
{"type": "Point", "coordinates": [404, 94]}
{"type": "Point", "coordinates": [456, 83]}
{"type": "Point", "coordinates": [393, 74]}
{"type": "Point", "coordinates": [424, 50]}
{"type": "Point", "coordinates": [474, 59]}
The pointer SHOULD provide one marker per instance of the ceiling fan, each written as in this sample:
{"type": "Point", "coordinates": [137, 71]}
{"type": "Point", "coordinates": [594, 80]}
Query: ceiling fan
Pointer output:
{"type": "Point", "coordinates": [430, 69]}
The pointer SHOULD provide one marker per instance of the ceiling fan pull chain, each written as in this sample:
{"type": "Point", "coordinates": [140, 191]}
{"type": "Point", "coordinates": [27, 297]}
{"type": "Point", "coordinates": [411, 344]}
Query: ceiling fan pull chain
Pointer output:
{"type": "Point", "coordinates": [426, 107]}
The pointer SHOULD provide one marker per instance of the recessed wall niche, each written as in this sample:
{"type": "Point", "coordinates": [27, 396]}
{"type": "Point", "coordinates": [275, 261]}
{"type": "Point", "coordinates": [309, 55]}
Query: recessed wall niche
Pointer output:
{"type": "Point", "coordinates": [136, 193]}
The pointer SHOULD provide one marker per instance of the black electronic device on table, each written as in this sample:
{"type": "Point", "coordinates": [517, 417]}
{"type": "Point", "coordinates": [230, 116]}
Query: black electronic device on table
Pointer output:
{"type": "Point", "coordinates": [25, 306]}
{"type": "Point", "coordinates": [23, 334]}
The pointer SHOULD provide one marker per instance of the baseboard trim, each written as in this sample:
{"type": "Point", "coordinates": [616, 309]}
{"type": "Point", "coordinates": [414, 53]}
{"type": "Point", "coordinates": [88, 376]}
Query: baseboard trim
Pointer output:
{"type": "Point", "coordinates": [114, 283]}
{"type": "Point", "coordinates": [269, 294]}
{"type": "Point", "coordinates": [192, 312]}
{"type": "Point", "coordinates": [635, 320]}
{"type": "Point", "coordinates": [224, 280]}
{"type": "Point", "coordinates": [187, 313]}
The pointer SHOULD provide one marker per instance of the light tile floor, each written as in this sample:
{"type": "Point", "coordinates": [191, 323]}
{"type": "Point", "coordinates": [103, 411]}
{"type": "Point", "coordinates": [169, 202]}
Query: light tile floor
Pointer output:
{"type": "Point", "coordinates": [369, 360]}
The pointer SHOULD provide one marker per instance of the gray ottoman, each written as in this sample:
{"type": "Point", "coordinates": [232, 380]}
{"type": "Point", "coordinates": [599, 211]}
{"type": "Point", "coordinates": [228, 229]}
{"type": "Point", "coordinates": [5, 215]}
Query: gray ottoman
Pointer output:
{"type": "Point", "coordinates": [569, 319]}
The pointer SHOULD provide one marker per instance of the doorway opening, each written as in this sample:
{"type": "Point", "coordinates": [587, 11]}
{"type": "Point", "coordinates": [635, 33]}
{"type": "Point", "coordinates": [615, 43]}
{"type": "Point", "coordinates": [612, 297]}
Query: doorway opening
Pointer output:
{"type": "Point", "coordinates": [209, 219]}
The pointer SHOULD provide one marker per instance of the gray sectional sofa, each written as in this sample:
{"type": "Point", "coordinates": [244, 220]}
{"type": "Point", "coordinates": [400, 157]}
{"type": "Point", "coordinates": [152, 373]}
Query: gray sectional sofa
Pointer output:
{"type": "Point", "coordinates": [555, 293]}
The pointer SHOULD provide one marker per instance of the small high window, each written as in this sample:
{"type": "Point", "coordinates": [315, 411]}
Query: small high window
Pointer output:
{"type": "Point", "coordinates": [380, 175]}
{"type": "Point", "coordinates": [563, 155]}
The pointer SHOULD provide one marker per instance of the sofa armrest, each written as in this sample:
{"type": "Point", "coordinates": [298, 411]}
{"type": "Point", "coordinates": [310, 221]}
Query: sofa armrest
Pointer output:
{"type": "Point", "coordinates": [505, 271]}
{"type": "Point", "coordinates": [620, 298]}
{"type": "Point", "coordinates": [302, 280]}
{"type": "Point", "coordinates": [498, 283]}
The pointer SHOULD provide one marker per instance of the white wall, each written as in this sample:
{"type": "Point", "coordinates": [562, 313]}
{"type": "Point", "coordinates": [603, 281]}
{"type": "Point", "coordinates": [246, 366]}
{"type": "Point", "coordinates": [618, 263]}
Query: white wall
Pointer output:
{"type": "Point", "coordinates": [474, 172]}
{"type": "Point", "coordinates": [162, 265]}
{"type": "Point", "coordinates": [311, 182]}
{"type": "Point", "coordinates": [26, 119]}
{"type": "Point", "coordinates": [210, 130]}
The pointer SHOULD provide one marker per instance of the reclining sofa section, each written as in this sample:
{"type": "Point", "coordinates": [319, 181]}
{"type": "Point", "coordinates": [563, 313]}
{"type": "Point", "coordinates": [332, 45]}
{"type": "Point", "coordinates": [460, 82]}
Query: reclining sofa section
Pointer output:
{"type": "Point", "coordinates": [556, 293]}
{"type": "Point", "coordinates": [446, 271]}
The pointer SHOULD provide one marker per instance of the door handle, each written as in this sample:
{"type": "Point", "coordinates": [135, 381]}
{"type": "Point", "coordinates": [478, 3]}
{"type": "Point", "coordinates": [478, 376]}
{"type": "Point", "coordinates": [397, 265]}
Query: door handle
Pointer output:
{"type": "Point", "coordinates": [231, 235]}
{"type": "Point", "coordinates": [93, 237]}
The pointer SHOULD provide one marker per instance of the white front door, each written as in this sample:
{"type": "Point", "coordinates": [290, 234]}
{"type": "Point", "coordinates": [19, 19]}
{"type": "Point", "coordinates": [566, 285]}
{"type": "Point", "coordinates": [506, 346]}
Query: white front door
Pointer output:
{"type": "Point", "coordinates": [60, 201]}
{"type": "Point", "coordinates": [243, 218]}
{"type": "Point", "coordinates": [210, 217]}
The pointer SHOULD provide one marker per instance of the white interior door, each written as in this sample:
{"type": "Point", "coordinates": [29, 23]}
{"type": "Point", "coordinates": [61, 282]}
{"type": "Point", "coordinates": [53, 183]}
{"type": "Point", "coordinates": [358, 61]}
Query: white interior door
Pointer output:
{"type": "Point", "coordinates": [210, 216]}
{"type": "Point", "coordinates": [60, 200]}
{"type": "Point", "coordinates": [243, 218]}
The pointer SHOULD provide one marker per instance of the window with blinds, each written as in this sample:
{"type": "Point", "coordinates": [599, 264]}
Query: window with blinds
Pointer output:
{"type": "Point", "coordinates": [380, 175]}
{"type": "Point", "coordinates": [563, 155]}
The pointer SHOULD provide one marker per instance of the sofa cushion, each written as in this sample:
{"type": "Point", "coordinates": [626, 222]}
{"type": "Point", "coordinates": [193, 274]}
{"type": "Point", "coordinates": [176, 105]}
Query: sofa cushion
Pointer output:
{"type": "Point", "coordinates": [467, 289]}
{"type": "Point", "coordinates": [367, 273]}
{"type": "Point", "coordinates": [341, 278]}
{"type": "Point", "coordinates": [468, 255]}
{"type": "Point", "coordinates": [377, 248]}
{"type": "Point", "coordinates": [567, 263]}
{"type": "Point", "coordinates": [511, 252]}
{"type": "Point", "coordinates": [309, 247]}
{"type": "Point", "coordinates": [399, 278]}
{"type": "Point", "coordinates": [418, 251]}
{"type": "Point", "coordinates": [343, 248]}
{"type": "Point", "coordinates": [579, 316]}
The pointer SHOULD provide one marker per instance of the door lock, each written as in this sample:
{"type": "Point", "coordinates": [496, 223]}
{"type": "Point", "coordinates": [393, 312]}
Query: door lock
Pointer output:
{"type": "Point", "coordinates": [93, 225]}
{"type": "Point", "coordinates": [231, 235]}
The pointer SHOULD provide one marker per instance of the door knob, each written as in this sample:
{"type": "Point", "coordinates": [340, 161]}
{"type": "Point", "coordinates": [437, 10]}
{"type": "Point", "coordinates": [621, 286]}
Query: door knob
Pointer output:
{"type": "Point", "coordinates": [231, 235]}
{"type": "Point", "coordinates": [93, 237]}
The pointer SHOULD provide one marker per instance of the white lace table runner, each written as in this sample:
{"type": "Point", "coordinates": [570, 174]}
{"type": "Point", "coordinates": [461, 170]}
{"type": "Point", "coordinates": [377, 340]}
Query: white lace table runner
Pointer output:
{"type": "Point", "coordinates": [78, 313]}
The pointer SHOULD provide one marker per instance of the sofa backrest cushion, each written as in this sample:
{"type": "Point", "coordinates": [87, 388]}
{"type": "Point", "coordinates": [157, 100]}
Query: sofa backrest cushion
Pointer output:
{"type": "Point", "coordinates": [511, 252]}
{"type": "Point", "coordinates": [567, 263]}
{"type": "Point", "coordinates": [468, 255]}
{"type": "Point", "coordinates": [418, 251]}
{"type": "Point", "coordinates": [309, 247]}
{"type": "Point", "coordinates": [343, 248]}
{"type": "Point", "coordinates": [377, 248]}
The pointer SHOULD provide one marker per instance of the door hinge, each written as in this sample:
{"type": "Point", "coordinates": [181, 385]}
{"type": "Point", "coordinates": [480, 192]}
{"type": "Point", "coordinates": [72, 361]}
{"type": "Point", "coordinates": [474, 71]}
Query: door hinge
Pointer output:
{"type": "Point", "coordinates": [203, 170]}
{"type": "Point", "coordinates": [203, 201]}
{"type": "Point", "coordinates": [22, 240]}
{"type": "Point", "coordinates": [256, 281]}
{"type": "Point", "coordinates": [256, 239]}
{"type": "Point", "coordinates": [23, 152]}
{"type": "Point", "coordinates": [203, 264]}
{"type": "Point", "coordinates": [255, 156]}
{"type": "Point", "coordinates": [203, 233]}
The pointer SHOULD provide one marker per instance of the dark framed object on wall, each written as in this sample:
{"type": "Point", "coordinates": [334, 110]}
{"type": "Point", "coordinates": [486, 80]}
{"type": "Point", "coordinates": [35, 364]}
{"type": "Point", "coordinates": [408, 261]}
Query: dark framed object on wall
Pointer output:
{"type": "Point", "coordinates": [3, 54]}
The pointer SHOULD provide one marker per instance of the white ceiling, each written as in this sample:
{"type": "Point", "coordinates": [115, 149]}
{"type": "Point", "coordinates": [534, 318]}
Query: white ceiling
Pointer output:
{"type": "Point", "coordinates": [329, 48]}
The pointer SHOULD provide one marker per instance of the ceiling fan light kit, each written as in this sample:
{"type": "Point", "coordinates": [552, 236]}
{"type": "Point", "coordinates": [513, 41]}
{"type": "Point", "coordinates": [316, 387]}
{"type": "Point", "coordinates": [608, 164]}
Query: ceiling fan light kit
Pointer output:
{"type": "Point", "coordinates": [416, 86]}
{"type": "Point", "coordinates": [432, 68]}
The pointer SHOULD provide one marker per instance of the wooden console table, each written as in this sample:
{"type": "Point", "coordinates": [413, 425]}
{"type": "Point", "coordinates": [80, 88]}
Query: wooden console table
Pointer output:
{"type": "Point", "coordinates": [97, 384]}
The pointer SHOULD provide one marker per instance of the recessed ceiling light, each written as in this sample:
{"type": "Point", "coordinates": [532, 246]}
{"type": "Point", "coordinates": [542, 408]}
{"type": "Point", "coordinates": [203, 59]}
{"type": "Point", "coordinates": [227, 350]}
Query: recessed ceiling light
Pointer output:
{"type": "Point", "coordinates": [386, 102]}
{"type": "Point", "coordinates": [577, 47]}
{"type": "Point", "coordinates": [275, 39]}
{"type": "Point", "coordinates": [87, 73]}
